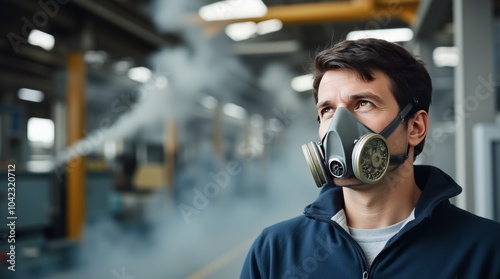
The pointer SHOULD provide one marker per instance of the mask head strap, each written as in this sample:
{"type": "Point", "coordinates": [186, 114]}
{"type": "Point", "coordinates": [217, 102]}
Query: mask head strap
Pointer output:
{"type": "Point", "coordinates": [399, 159]}
{"type": "Point", "coordinates": [400, 118]}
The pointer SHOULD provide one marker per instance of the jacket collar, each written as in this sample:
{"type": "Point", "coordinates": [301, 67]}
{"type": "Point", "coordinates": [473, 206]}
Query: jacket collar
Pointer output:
{"type": "Point", "coordinates": [436, 187]}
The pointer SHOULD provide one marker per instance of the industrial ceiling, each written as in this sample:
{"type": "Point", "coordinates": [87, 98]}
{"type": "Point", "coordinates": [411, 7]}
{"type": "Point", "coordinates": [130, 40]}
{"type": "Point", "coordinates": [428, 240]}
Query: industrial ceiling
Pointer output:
{"type": "Point", "coordinates": [124, 30]}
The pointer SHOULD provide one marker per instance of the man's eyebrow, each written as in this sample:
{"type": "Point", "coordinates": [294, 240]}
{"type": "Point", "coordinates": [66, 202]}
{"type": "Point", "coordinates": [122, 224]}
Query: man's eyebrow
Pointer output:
{"type": "Point", "coordinates": [325, 103]}
{"type": "Point", "coordinates": [354, 97]}
{"type": "Point", "coordinates": [366, 95]}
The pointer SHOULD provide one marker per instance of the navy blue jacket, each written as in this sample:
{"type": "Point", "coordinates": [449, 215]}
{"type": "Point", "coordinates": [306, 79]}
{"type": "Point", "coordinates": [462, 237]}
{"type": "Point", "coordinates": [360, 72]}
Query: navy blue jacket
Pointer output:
{"type": "Point", "coordinates": [443, 241]}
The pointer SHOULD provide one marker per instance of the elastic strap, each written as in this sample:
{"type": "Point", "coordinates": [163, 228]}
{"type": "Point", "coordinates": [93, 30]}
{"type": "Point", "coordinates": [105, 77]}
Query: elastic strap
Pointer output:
{"type": "Point", "coordinates": [400, 118]}
{"type": "Point", "coordinates": [399, 159]}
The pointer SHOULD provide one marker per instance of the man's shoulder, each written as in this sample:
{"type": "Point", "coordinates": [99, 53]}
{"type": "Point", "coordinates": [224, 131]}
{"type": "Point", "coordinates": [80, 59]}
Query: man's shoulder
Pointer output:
{"type": "Point", "coordinates": [473, 219]}
{"type": "Point", "coordinates": [471, 224]}
{"type": "Point", "coordinates": [298, 225]}
{"type": "Point", "coordinates": [287, 225]}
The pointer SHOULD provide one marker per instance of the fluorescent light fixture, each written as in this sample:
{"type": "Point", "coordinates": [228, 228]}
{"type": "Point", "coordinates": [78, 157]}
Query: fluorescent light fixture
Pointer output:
{"type": "Point", "coordinates": [391, 35]}
{"type": "Point", "coordinates": [445, 56]}
{"type": "Point", "coordinates": [233, 9]}
{"type": "Point", "coordinates": [41, 39]}
{"type": "Point", "coordinates": [41, 130]}
{"type": "Point", "coordinates": [234, 111]}
{"type": "Point", "coordinates": [140, 74]}
{"type": "Point", "coordinates": [95, 57]}
{"type": "Point", "coordinates": [209, 102]}
{"type": "Point", "coordinates": [241, 31]}
{"type": "Point", "coordinates": [30, 95]}
{"type": "Point", "coordinates": [122, 66]}
{"type": "Point", "coordinates": [302, 83]}
{"type": "Point", "coordinates": [245, 30]}
{"type": "Point", "coordinates": [269, 26]}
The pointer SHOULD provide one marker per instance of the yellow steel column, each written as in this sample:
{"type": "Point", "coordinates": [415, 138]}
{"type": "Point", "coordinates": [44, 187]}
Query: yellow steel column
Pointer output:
{"type": "Point", "coordinates": [170, 149]}
{"type": "Point", "coordinates": [76, 125]}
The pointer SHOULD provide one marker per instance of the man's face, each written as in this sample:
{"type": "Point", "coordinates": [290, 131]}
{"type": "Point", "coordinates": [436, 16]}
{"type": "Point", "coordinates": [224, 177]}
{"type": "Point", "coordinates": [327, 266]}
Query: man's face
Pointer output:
{"type": "Point", "coordinates": [372, 103]}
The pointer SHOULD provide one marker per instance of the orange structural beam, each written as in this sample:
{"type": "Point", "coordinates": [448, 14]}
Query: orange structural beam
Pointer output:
{"type": "Point", "coordinates": [319, 12]}
{"type": "Point", "coordinates": [334, 11]}
{"type": "Point", "coordinates": [76, 124]}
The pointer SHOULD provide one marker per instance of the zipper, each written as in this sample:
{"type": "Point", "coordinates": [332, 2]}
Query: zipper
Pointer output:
{"type": "Point", "coordinates": [348, 237]}
{"type": "Point", "coordinates": [358, 247]}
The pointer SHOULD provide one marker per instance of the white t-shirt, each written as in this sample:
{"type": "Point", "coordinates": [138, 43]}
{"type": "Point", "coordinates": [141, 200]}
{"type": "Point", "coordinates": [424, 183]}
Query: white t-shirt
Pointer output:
{"type": "Point", "coordinates": [372, 241]}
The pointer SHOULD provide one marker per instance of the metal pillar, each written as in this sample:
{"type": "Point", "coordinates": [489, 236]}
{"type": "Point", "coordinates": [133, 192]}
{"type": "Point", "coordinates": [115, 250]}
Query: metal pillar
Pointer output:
{"type": "Point", "coordinates": [474, 88]}
{"type": "Point", "coordinates": [59, 115]}
{"type": "Point", "coordinates": [76, 125]}
{"type": "Point", "coordinates": [170, 149]}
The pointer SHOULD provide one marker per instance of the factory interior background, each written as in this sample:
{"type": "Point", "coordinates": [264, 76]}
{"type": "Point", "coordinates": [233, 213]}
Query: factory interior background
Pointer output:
{"type": "Point", "coordinates": [157, 138]}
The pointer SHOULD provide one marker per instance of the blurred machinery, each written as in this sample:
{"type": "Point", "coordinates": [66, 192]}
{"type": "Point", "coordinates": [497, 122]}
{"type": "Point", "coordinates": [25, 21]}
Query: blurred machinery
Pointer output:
{"type": "Point", "coordinates": [40, 233]}
{"type": "Point", "coordinates": [12, 133]}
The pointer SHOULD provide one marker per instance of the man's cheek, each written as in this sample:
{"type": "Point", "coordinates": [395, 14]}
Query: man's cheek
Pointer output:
{"type": "Point", "coordinates": [321, 132]}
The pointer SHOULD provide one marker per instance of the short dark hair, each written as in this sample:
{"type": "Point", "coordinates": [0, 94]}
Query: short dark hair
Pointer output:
{"type": "Point", "coordinates": [406, 72]}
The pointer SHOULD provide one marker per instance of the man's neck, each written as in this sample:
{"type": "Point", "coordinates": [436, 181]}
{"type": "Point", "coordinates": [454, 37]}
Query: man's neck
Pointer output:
{"type": "Point", "coordinates": [383, 204]}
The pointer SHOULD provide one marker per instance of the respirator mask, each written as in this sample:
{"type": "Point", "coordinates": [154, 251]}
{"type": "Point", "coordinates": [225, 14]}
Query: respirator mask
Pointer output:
{"type": "Point", "coordinates": [350, 148]}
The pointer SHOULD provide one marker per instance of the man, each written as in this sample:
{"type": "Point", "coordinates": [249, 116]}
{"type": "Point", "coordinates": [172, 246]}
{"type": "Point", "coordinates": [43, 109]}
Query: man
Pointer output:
{"type": "Point", "coordinates": [378, 215]}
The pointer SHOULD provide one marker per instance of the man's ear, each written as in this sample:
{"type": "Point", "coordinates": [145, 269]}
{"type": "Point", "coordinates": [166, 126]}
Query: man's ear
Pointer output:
{"type": "Point", "coordinates": [418, 126]}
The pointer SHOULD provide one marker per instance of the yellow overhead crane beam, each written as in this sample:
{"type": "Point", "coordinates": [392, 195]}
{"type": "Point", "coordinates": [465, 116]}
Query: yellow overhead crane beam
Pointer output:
{"type": "Point", "coordinates": [335, 11]}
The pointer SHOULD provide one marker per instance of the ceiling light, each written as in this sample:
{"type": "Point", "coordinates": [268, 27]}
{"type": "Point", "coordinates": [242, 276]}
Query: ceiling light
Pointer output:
{"type": "Point", "coordinates": [233, 9]}
{"type": "Point", "coordinates": [140, 74]}
{"type": "Point", "coordinates": [269, 26]}
{"type": "Point", "coordinates": [234, 111]}
{"type": "Point", "coordinates": [209, 102]}
{"type": "Point", "coordinates": [30, 95]}
{"type": "Point", "coordinates": [41, 39]}
{"type": "Point", "coordinates": [41, 130]}
{"type": "Point", "coordinates": [302, 83]}
{"type": "Point", "coordinates": [95, 57]}
{"type": "Point", "coordinates": [241, 31]}
{"type": "Point", "coordinates": [445, 56]}
{"type": "Point", "coordinates": [391, 35]}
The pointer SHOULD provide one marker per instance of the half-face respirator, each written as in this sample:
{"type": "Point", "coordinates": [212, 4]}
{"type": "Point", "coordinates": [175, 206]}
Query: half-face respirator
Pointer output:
{"type": "Point", "coordinates": [350, 148]}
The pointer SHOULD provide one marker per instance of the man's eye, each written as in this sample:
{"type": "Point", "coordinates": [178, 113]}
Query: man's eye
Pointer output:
{"type": "Point", "coordinates": [363, 104]}
{"type": "Point", "coordinates": [325, 113]}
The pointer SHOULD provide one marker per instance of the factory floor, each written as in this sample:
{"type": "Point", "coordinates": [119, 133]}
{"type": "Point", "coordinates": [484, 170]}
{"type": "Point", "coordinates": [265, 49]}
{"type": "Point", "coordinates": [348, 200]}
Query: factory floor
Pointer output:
{"type": "Point", "coordinates": [213, 245]}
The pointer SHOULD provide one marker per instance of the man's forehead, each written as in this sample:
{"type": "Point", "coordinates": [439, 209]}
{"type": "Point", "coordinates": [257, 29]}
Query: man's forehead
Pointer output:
{"type": "Point", "coordinates": [343, 83]}
{"type": "Point", "coordinates": [340, 75]}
